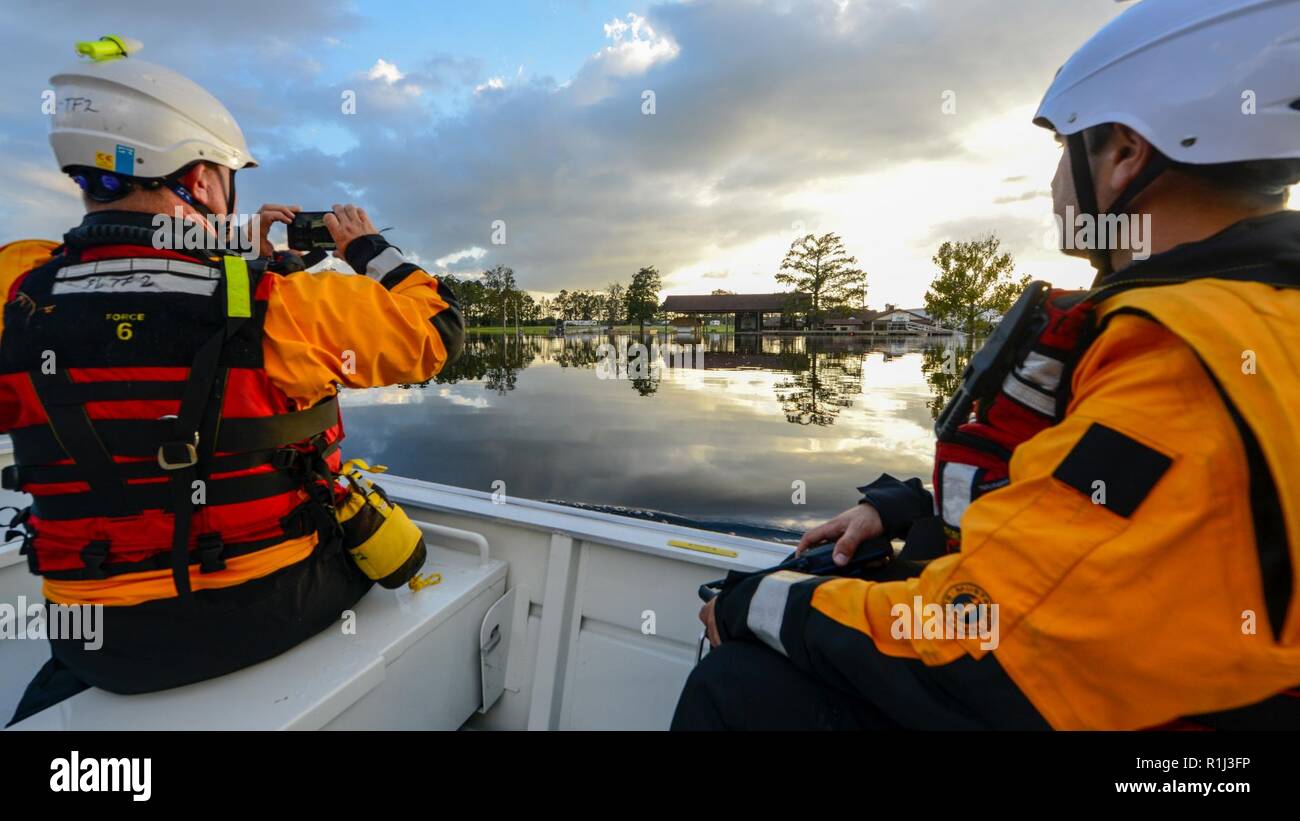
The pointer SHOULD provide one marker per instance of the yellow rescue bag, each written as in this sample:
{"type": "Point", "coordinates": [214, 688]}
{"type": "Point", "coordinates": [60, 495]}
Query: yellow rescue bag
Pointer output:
{"type": "Point", "coordinates": [383, 541]}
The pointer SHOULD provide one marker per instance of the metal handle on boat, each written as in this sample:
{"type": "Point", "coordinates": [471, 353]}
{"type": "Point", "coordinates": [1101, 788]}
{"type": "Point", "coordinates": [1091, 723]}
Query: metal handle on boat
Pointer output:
{"type": "Point", "coordinates": [470, 536]}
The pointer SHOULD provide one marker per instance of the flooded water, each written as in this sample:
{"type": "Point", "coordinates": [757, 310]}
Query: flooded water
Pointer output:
{"type": "Point", "coordinates": [771, 431]}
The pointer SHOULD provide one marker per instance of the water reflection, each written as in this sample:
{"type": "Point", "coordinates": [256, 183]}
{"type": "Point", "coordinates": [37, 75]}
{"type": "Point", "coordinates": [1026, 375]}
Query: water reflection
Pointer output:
{"type": "Point", "coordinates": [495, 361]}
{"type": "Point", "coordinates": [821, 385]}
{"type": "Point", "coordinates": [943, 367]}
{"type": "Point", "coordinates": [728, 441]}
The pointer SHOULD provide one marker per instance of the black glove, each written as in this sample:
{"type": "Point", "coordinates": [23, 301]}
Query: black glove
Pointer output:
{"type": "Point", "coordinates": [898, 503]}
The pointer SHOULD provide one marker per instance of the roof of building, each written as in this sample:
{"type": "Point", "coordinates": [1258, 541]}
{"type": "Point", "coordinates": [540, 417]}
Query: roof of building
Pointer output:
{"type": "Point", "coordinates": [727, 303]}
{"type": "Point", "coordinates": [919, 315]}
{"type": "Point", "coordinates": [866, 317]}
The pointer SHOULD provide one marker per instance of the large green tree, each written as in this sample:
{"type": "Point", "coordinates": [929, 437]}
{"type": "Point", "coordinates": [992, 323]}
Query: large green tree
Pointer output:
{"type": "Point", "coordinates": [976, 281]}
{"type": "Point", "coordinates": [820, 267]}
{"type": "Point", "coordinates": [500, 284]}
{"type": "Point", "coordinates": [642, 296]}
{"type": "Point", "coordinates": [614, 303]}
{"type": "Point", "coordinates": [528, 309]}
{"type": "Point", "coordinates": [590, 304]}
{"type": "Point", "coordinates": [472, 296]}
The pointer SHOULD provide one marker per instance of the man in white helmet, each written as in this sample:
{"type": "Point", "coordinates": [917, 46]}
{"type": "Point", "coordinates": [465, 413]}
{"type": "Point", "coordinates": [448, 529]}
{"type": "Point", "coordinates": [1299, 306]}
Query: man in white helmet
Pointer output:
{"type": "Point", "coordinates": [173, 409]}
{"type": "Point", "coordinates": [1125, 498]}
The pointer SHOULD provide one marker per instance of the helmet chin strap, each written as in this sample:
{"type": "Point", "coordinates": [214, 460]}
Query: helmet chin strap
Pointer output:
{"type": "Point", "coordinates": [181, 190]}
{"type": "Point", "coordinates": [1085, 192]}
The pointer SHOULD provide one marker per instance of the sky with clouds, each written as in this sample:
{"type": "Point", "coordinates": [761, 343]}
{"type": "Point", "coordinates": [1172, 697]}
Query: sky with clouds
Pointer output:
{"type": "Point", "coordinates": [771, 118]}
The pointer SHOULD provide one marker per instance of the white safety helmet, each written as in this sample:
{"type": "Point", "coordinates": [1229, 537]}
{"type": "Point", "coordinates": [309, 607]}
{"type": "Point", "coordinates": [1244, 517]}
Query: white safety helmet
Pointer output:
{"type": "Point", "coordinates": [1206, 82]}
{"type": "Point", "coordinates": [120, 114]}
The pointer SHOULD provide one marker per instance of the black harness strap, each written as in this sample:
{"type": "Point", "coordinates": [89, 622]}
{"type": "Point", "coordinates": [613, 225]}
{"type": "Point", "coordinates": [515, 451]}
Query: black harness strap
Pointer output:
{"type": "Point", "coordinates": [72, 429]}
{"type": "Point", "coordinates": [79, 393]}
{"type": "Point", "coordinates": [180, 455]}
{"type": "Point", "coordinates": [158, 495]}
{"type": "Point", "coordinates": [15, 476]}
{"type": "Point", "coordinates": [273, 431]}
{"type": "Point", "coordinates": [37, 444]}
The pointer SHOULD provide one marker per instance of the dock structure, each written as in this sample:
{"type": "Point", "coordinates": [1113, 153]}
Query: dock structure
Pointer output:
{"type": "Point", "coordinates": [751, 313]}
{"type": "Point", "coordinates": [784, 313]}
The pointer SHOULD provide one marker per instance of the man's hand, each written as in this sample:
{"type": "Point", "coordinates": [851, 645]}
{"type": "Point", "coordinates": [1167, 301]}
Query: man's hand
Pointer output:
{"type": "Point", "coordinates": [267, 216]}
{"type": "Point", "coordinates": [346, 224]}
{"type": "Point", "coordinates": [710, 622]}
{"type": "Point", "coordinates": [850, 528]}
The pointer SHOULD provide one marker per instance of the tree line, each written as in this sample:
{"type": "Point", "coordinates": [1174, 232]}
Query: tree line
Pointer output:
{"type": "Point", "coordinates": [495, 298]}
{"type": "Point", "coordinates": [974, 285]}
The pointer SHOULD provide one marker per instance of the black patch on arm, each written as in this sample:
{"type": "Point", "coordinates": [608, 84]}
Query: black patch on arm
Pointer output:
{"type": "Point", "coordinates": [451, 327]}
{"type": "Point", "coordinates": [398, 275]}
{"type": "Point", "coordinates": [1128, 468]}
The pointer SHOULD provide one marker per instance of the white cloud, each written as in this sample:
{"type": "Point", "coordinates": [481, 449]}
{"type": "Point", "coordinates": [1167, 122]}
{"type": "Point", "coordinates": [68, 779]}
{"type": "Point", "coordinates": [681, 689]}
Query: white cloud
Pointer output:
{"type": "Point", "coordinates": [454, 257]}
{"type": "Point", "coordinates": [392, 88]}
{"type": "Point", "coordinates": [635, 46]}
{"type": "Point", "coordinates": [386, 71]}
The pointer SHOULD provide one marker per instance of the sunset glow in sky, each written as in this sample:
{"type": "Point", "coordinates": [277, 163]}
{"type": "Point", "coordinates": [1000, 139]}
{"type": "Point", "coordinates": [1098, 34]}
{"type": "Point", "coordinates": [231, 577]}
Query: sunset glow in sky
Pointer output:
{"type": "Point", "coordinates": [770, 118]}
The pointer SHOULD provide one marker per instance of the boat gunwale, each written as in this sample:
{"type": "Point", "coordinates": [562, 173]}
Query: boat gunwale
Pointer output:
{"type": "Point", "coordinates": [582, 524]}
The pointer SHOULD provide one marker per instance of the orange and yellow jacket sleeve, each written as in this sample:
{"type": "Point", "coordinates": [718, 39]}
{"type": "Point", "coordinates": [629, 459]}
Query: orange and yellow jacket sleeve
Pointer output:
{"type": "Point", "coordinates": [395, 324]}
{"type": "Point", "coordinates": [1121, 579]}
{"type": "Point", "coordinates": [16, 259]}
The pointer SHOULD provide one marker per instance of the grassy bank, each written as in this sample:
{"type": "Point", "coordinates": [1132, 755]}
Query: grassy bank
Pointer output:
{"type": "Point", "coordinates": [544, 330]}
{"type": "Point", "coordinates": [526, 330]}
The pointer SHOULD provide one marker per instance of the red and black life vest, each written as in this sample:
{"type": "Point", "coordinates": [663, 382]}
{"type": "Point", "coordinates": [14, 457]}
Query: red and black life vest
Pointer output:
{"type": "Point", "coordinates": [147, 431]}
{"type": "Point", "coordinates": [1022, 391]}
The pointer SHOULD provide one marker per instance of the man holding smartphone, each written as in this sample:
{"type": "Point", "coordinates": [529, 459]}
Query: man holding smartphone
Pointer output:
{"type": "Point", "coordinates": [174, 412]}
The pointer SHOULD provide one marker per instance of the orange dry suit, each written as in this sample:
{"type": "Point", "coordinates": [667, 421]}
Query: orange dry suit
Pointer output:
{"type": "Point", "coordinates": [1138, 565]}
{"type": "Point", "coordinates": [133, 378]}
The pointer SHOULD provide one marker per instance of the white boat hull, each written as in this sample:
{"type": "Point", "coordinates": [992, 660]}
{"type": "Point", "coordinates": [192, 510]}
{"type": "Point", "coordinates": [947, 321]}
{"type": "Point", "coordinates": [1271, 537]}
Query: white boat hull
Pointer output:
{"type": "Point", "coordinates": [604, 635]}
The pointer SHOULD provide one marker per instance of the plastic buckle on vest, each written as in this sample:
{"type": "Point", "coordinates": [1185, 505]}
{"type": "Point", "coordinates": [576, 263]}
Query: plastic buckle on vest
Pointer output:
{"type": "Point", "coordinates": [178, 455]}
{"type": "Point", "coordinates": [33, 566]}
{"type": "Point", "coordinates": [210, 548]}
{"type": "Point", "coordinates": [9, 477]}
{"type": "Point", "coordinates": [93, 557]}
{"type": "Point", "coordinates": [28, 534]}
{"type": "Point", "coordinates": [299, 522]}
{"type": "Point", "coordinates": [285, 458]}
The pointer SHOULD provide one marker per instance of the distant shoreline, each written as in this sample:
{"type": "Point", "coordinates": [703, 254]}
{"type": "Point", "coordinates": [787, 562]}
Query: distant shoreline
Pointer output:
{"type": "Point", "coordinates": [549, 330]}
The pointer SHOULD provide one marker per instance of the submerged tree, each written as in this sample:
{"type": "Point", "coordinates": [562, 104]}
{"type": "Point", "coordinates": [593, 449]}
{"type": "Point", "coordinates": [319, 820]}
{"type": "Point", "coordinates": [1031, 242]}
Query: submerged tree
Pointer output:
{"type": "Point", "coordinates": [614, 299]}
{"type": "Point", "coordinates": [821, 268]}
{"type": "Point", "coordinates": [975, 285]}
{"type": "Point", "coordinates": [643, 296]}
{"type": "Point", "coordinates": [499, 282]}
